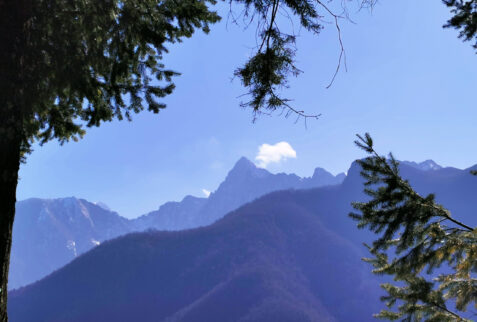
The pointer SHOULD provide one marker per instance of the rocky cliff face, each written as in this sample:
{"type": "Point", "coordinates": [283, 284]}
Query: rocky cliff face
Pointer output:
{"type": "Point", "coordinates": [49, 233]}
{"type": "Point", "coordinates": [244, 183]}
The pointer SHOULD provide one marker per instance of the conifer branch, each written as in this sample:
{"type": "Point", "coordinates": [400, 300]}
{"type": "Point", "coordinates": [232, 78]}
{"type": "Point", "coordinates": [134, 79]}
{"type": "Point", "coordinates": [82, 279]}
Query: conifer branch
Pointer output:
{"type": "Point", "coordinates": [443, 308]}
{"type": "Point", "coordinates": [442, 212]}
{"type": "Point", "coordinates": [412, 224]}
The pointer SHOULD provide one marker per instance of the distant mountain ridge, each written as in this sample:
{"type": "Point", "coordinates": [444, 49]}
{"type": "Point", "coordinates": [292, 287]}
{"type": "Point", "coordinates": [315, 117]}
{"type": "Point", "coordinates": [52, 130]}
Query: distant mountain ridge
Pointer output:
{"type": "Point", "coordinates": [49, 233]}
{"type": "Point", "coordinates": [428, 165]}
{"type": "Point", "coordinates": [270, 260]}
{"type": "Point", "coordinates": [244, 183]}
{"type": "Point", "coordinates": [291, 255]}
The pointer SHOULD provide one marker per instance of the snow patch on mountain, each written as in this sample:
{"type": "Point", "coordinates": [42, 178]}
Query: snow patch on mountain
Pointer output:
{"type": "Point", "coordinates": [428, 165]}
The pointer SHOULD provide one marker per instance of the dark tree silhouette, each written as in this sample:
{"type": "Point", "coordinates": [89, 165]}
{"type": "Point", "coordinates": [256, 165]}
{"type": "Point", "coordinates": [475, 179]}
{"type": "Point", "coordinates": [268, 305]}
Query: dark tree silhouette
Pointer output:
{"type": "Point", "coordinates": [70, 64]}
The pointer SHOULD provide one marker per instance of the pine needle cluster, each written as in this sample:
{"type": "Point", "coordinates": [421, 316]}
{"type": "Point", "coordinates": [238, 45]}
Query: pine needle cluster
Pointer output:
{"type": "Point", "coordinates": [431, 256]}
{"type": "Point", "coordinates": [268, 70]}
{"type": "Point", "coordinates": [464, 19]}
{"type": "Point", "coordinates": [80, 63]}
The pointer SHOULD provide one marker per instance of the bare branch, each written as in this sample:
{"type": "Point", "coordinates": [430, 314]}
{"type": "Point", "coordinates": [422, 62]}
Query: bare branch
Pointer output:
{"type": "Point", "coordinates": [342, 56]}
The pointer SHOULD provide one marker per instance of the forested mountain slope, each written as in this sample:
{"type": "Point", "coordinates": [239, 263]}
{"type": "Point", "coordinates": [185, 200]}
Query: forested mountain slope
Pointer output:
{"type": "Point", "coordinates": [271, 260]}
{"type": "Point", "coordinates": [49, 233]}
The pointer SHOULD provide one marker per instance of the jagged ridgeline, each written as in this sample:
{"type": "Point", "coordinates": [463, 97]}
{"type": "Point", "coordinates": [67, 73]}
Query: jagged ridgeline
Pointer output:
{"type": "Point", "coordinates": [49, 233]}
{"type": "Point", "coordinates": [291, 255]}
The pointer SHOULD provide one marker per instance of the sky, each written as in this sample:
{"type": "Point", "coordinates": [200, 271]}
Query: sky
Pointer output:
{"type": "Point", "coordinates": [409, 83]}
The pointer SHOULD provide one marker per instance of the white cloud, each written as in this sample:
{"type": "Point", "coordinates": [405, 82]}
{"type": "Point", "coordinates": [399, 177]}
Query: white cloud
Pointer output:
{"type": "Point", "coordinates": [274, 153]}
{"type": "Point", "coordinates": [206, 192]}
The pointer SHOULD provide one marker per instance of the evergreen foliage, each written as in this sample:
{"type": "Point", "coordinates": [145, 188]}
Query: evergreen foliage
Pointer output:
{"type": "Point", "coordinates": [268, 70]}
{"type": "Point", "coordinates": [70, 64]}
{"type": "Point", "coordinates": [91, 61]}
{"type": "Point", "coordinates": [464, 18]}
{"type": "Point", "coordinates": [67, 64]}
{"type": "Point", "coordinates": [417, 236]}
{"type": "Point", "coordinates": [80, 63]}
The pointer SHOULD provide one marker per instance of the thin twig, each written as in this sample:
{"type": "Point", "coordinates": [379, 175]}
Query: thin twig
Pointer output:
{"type": "Point", "coordinates": [342, 49]}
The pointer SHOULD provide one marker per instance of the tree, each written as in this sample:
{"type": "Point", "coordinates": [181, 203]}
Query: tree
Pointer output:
{"type": "Point", "coordinates": [417, 237]}
{"type": "Point", "coordinates": [66, 65]}
{"type": "Point", "coordinates": [70, 64]}
{"type": "Point", "coordinates": [464, 18]}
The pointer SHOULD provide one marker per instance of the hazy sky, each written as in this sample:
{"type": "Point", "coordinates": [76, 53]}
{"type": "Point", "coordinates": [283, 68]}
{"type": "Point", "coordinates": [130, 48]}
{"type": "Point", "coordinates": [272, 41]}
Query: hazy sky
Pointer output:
{"type": "Point", "coordinates": [410, 83]}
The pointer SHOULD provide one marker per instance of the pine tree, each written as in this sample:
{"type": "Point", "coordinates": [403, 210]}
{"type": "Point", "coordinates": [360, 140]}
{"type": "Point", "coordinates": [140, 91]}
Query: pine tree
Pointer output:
{"type": "Point", "coordinates": [417, 236]}
{"type": "Point", "coordinates": [464, 19]}
{"type": "Point", "coordinates": [66, 65]}
{"type": "Point", "coordinates": [70, 64]}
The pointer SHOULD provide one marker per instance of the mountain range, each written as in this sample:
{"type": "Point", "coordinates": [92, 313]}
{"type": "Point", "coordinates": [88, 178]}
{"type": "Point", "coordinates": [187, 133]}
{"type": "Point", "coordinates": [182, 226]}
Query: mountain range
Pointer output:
{"type": "Point", "coordinates": [244, 183]}
{"type": "Point", "coordinates": [291, 255]}
{"type": "Point", "coordinates": [49, 233]}
{"type": "Point", "coordinates": [270, 260]}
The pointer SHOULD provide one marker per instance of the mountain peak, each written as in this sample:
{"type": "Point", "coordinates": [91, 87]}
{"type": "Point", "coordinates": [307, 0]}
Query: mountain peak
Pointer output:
{"type": "Point", "coordinates": [353, 174]}
{"type": "Point", "coordinates": [244, 163]}
{"type": "Point", "coordinates": [246, 167]}
{"type": "Point", "coordinates": [428, 165]}
{"type": "Point", "coordinates": [320, 172]}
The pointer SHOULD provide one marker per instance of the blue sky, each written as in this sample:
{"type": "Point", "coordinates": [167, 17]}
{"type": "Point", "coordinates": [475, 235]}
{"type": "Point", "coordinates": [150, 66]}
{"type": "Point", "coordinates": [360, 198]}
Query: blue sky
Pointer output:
{"type": "Point", "coordinates": [409, 82]}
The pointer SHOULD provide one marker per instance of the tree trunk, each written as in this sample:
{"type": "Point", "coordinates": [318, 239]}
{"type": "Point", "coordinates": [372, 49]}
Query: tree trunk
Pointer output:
{"type": "Point", "coordinates": [13, 16]}
{"type": "Point", "coordinates": [9, 166]}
